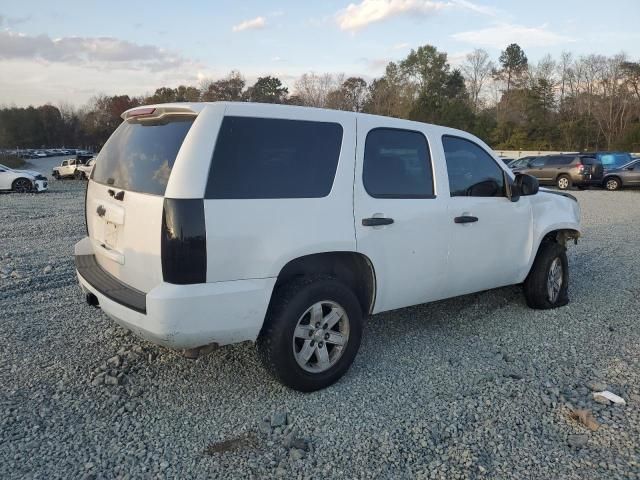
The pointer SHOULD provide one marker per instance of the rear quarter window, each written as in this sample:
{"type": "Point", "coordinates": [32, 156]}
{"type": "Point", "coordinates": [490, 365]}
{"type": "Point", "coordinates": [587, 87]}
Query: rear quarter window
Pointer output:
{"type": "Point", "coordinates": [138, 157]}
{"type": "Point", "coordinates": [274, 158]}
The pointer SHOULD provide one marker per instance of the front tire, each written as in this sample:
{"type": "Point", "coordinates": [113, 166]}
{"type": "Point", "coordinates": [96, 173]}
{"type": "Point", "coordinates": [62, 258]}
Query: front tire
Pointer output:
{"type": "Point", "coordinates": [563, 182]}
{"type": "Point", "coordinates": [78, 175]}
{"type": "Point", "coordinates": [612, 184]}
{"type": "Point", "coordinates": [21, 185]}
{"type": "Point", "coordinates": [547, 283]}
{"type": "Point", "coordinates": [311, 333]}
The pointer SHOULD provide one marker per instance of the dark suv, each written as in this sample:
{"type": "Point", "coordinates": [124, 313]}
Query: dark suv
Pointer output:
{"type": "Point", "coordinates": [565, 171]}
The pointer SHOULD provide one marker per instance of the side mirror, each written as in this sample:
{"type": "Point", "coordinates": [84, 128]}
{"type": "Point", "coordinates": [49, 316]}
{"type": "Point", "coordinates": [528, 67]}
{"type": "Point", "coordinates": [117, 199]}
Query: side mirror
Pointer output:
{"type": "Point", "coordinates": [526, 184]}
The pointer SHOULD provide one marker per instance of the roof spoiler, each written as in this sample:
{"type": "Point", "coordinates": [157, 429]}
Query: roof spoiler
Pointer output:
{"type": "Point", "coordinates": [157, 113]}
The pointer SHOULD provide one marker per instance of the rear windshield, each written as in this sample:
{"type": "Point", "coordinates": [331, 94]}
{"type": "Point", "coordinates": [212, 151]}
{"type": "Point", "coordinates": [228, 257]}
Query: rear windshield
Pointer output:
{"type": "Point", "coordinates": [274, 158]}
{"type": "Point", "coordinates": [138, 157]}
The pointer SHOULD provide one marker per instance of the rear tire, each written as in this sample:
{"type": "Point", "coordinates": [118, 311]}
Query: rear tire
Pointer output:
{"type": "Point", "coordinates": [297, 344]}
{"type": "Point", "coordinates": [563, 182]}
{"type": "Point", "coordinates": [545, 287]}
{"type": "Point", "coordinates": [612, 184]}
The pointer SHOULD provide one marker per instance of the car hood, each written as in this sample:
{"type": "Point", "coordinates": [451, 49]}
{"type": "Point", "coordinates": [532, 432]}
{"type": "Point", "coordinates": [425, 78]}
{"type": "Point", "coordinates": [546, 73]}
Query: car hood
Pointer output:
{"type": "Point", "coordinates": [33, 173]}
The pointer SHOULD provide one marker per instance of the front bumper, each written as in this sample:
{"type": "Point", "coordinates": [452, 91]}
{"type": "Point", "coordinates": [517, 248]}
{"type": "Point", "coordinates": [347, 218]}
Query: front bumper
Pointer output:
{"type": "Point", "coordinates": [188, 316]}
{"type": "Point", "coordinates": [40, 185]}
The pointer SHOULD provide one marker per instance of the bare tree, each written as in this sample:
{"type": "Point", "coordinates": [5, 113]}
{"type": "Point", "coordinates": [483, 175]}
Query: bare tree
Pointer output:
{"type": "Point", "coordinates": [477, 70]}
{"type": "Point", "coordinates": [564, 72]}
{"type": "Point", "coordinates": [313, 89]}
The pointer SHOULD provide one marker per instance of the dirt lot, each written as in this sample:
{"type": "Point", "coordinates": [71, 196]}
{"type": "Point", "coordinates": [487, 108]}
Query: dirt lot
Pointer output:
{"type": "Point", "coordinates": [473, 387]}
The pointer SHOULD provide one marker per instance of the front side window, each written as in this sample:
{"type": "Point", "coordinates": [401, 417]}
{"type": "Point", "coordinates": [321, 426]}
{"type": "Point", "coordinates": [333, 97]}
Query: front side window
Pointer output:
{"type": "Point", "coordinates": [472, 171]}
{"type": "Point", "coordinates": [397, 164]}
{"type": "Point", "coordinates": [138, 157]}
{"type": "Point", "coordinates": [64, 164]}
{"type": "Point", "coordinates": [274, 158]}
{"type": "Point", "coordinates": [537, 162]}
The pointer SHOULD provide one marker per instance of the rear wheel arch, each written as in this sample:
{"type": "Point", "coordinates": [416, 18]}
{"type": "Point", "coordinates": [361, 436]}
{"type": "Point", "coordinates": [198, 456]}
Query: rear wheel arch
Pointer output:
{"type": "Point", "coordinates": [353, 269]}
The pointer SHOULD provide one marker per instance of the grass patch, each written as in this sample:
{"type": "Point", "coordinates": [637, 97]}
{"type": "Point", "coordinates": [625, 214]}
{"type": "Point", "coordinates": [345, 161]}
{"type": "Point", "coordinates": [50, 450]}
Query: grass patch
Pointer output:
{"type": "Point", "coordinates": [12, 161]}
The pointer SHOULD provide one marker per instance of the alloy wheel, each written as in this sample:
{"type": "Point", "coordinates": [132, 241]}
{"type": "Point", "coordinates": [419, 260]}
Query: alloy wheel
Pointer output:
{"type": "Point", "coordinates": [22, 185]}
{"type": "Point", "coordinates": [554, 280]}
{"type": "Point", "coordinates": [320, 337]}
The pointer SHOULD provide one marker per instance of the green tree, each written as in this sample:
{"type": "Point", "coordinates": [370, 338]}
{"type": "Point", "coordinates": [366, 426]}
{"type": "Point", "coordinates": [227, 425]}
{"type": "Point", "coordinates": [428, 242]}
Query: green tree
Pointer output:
{"type": "Point", "coordinates": [267, 90]}
{"type": "Point", "coordinates": [513, 63]}
{"type": "Point", "coordinates": [228, 89]}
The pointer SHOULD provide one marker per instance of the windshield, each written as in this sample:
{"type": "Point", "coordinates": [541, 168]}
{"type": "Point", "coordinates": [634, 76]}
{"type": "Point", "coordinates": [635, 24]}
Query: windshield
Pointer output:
{"type": "Point", "coordinates": [138, 157]}
{"type": "Point", "coordinates": [614, 160]}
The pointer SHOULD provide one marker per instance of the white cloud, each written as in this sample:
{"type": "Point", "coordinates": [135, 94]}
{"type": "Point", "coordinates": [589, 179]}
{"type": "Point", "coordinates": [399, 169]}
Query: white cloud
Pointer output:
{"type": "Point", "coordinates": [400, 46]}
{"type": "Point", "coordinates": [86, 50]}
{"type": "Point", "coordinates": [501, 35]}
{"type": "Point", "coordinates": [358, 16]}
{"type": "Point", "coordinates": [253, 24]}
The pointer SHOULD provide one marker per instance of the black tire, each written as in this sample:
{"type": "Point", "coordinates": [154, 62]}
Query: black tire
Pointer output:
{"type": "Point", "coordinates": [535, 285]}
{"type": "Point", "coordinates": [22, 185]}
{"type": "Point", "coordinates": [56, 175]}
{"type": "Point", "coordinates": [276, 340]}
{"type": "Point", "coordinates": [563, 182]}
{"type": "Point", "coordinates": [78, 175]}
{"type": "Point", "coordinates": [612, 184]}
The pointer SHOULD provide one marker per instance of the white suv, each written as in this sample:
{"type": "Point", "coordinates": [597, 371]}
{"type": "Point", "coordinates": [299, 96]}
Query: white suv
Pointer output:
{"type": "Point", "coordinates": [215, 223]}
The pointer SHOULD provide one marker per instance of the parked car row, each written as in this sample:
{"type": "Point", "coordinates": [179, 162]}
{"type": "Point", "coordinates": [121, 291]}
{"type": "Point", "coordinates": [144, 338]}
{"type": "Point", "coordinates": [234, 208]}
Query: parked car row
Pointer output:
{"type": "Point", "coordinates": [31, 153]}
{"type": "Point", "coordinates": [609, 170]}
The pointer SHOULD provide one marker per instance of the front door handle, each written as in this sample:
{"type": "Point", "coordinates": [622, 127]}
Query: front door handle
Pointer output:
{"type": "Point", "coordinates": [465, 219]}
{"type": "Point", "coordinates": [376, 221]}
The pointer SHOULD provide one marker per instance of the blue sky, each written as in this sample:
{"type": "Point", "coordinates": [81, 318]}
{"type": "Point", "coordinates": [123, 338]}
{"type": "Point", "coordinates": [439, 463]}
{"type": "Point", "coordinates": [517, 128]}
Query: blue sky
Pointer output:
{"type": "Point", "coordinates": [67, 51]}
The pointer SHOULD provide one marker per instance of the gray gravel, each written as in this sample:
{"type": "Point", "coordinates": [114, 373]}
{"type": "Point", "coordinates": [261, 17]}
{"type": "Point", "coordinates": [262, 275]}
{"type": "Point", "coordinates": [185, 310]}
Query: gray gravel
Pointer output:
{"type": "Point", "coordinates": [474, 387]}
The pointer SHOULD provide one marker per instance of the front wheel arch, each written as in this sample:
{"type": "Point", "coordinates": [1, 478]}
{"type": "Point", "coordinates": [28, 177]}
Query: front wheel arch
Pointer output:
{"type": "Point", "coordinates": [14, 184]}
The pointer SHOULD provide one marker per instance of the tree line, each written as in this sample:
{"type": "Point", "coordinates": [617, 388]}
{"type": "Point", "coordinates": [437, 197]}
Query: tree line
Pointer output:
{"type": "Point", "coordinates": [572, 103]}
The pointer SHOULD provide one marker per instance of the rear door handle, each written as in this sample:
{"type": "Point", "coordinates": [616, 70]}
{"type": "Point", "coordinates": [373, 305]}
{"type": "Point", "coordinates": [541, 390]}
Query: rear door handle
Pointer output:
{"type": "Point", "coordinates": [376, 221]}
{"type": "Point", "coordinates": [465, 219]}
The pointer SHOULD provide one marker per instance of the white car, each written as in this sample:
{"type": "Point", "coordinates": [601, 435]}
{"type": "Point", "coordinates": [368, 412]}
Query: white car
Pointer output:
{"type": "Point", "coordinates": [22, 180]}
{"type": "Point", "coordinates": [84, 170]}
{"type": "Point", "coordinates": [216, 223]}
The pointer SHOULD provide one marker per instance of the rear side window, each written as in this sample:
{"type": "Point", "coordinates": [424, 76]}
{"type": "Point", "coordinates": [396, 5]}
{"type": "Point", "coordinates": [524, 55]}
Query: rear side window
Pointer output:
{"type": "Point", "coordinates": [274, 158]}
{"type": "Point", "coordinates": [138, 157]}
{"type": "Point", "coordinates": [397, 164]}
{"type": "Point", "coordinates": [472, 171]}
{"type": "Point", "coordinates": [559, 160]}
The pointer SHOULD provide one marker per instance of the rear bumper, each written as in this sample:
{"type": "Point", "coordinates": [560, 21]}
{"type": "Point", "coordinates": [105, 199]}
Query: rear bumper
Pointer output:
{"type": "Point", "coordinates": [187, 316]}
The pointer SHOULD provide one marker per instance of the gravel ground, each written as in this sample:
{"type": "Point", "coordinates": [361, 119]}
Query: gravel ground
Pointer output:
{"type": "Point", "coordinates": [474, 387]}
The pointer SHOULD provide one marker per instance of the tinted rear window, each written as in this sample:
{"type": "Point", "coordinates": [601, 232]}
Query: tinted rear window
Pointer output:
{"type": "Point", "coordinates": [139, 156]}
{"type": "Point", "coordinates": [274, 158]}
{"type": "Point", "coordinates": [397, 164]}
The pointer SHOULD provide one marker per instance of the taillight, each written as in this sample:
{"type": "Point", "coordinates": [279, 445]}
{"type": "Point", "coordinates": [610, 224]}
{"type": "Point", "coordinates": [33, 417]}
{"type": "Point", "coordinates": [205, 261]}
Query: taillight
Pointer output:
{"type": "Point", "coordinates": [138, 112]}
{"type": "Point", "coordinates": [184, 241]}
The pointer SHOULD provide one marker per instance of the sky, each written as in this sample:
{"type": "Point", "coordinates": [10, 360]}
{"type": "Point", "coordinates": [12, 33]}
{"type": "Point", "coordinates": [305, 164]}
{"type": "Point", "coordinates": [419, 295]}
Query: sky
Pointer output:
{"type": "Point", "coordinates": [68, 51]}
